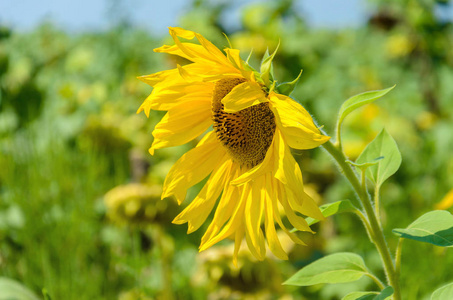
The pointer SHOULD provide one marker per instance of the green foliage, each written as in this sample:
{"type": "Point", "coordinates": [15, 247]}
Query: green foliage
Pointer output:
{"type": "Point", "coordinates": [11, 289]}
{"type": "Point", "coordinates": [384, 294]}
{"type": "Point", "coordinates": [334, 268]}
{"type": "Point", "coordinates": [445, 292]}
{"type": "Point", "coordinates": [332, 209]}
{"type": "Point", "coordinates": [357, 101]}
{"type": "Point", "coordinates": [434, 227]}
{"type": "Point", "coordinates": [382, 146]}
{"type": "Point", "coordinates": [266, 68]}
{"type": "Point", "coordinates": [286, 88]}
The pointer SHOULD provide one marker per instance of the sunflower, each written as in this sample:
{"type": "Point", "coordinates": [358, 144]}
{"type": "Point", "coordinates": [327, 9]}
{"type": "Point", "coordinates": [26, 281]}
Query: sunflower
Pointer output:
{"type": "Point", "coordinates": [246, 157]}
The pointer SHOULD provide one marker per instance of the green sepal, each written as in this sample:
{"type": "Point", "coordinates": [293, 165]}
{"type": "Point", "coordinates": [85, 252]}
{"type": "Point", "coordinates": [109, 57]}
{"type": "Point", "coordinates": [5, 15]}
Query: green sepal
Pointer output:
{"type": "Point", "coordinates": [267, 70]}
{"type": "Point", "coordinates": [286, 88]}
{"type": "Point", "coordinates": [255, 72]}
{"type": "Point", "coordinates": [248, 57]}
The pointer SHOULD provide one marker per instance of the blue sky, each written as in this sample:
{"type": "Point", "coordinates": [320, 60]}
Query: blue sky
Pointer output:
{"type": "Point", "coordinates": [157, 15]}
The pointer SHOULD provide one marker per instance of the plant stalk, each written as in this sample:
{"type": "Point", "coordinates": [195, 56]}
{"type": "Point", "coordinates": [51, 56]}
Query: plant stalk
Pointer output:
{"type": "Point", "coordinates": [377, 236]}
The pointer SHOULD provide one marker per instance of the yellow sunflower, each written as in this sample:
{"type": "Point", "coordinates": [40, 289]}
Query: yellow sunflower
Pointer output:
{"type": "Point", "coordinates": [246, 157]}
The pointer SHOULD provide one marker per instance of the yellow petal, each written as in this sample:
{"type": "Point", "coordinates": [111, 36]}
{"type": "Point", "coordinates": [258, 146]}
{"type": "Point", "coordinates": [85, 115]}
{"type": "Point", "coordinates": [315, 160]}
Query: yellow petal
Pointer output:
{"type": "Point", "coordinates": [193, 167]}
{"type": "Point", "coordinates": [206, 53]}
{"type": "Point", "coordinates": [271, 235]}
{"type": "Point", "coordinates": [181, 124]}
{"type": "Point", "coordinates": [237, 62]}
{"type": "Point", "coordinates": [295, 122]}
{"type": "Point", "coordinates": [185, 34]}
{"type": "Point", "coordinates": [287, 171]}
{"type": "Point", "coordinates": [242, 96]}
{"type": "Point", "coordinates": [275, 188]}
{"type": "Point", "coordinates": [258, 251]}
{"type": "Point", "coordinates": [238, 237]}
{"type": "Point", "coordinates": [227, 203]}
{"type": "Point", "coordinates": [254, 208]}
{"type": "Point", "coordinates": [236, 220]}
{"type": "Point", "coordinates": [304, 204]}
{"type": "Point", "coordinates": [166, 98]}
{"type": "Point", "coordinates": [198, 210]}
{"type": "Point", "coordinates": [298, 222]}
{"type": "Point", "coordinates": [162, 76]}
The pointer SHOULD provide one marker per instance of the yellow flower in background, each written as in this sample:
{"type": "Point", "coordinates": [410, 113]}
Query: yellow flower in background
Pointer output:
{"type": "Point", "coordinates": [246, 156]}
{"type": "Point", "coordinates": [446, 202]}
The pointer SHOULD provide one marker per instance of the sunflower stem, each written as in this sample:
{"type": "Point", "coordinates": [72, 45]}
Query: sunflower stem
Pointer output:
{"type": "Point", "coordinates": [377, 236]}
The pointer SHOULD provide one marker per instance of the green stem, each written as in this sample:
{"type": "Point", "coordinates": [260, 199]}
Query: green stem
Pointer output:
{"type": "Point", "coordinates": [376, 280]}
{"type": "Point", "coordinates": [376, 203]}
{"type": "Point", "coordinates": [377, 235]}
{"type": "Point", "coordinates": [399, 249]}
{"type": "Point", "coordinates": [365, 222]}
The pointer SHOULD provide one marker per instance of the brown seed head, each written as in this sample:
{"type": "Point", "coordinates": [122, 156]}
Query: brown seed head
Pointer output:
{"type": "Point", "coordinates": [246, 134]}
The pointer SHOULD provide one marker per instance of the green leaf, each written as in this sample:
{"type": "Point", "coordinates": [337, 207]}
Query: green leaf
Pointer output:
{"type": "Point", "coordinates": [360, 295]}
{"type": "Point", "coordinates": [382, 146]}
{"type": "Point", "coordinates": [357, 101]}
{"type": "Point", "coordinates": [286, 88]}
{"type": "Point", "coordinates": [434, 227]}
{"type": "Point", "coordinates": [333, 208]}
{"type": "Point", "coordinates": [384, 294]}
{"type": "Point", "coordinates": [364, 166]}
{"type": "Point", "coordinates": [445, 292]}
{"type": "Point", "coordinates": [334, 268]}
{"type": "Point", "coordinates": [11, 289]}
{"type": "Point", "coordinates": [266, 69]}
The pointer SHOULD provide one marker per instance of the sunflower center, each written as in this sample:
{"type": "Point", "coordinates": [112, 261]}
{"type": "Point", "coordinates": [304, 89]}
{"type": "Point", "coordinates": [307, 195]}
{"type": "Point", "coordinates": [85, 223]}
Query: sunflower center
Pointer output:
{"type": "Point", "coordinates": [246, 134]}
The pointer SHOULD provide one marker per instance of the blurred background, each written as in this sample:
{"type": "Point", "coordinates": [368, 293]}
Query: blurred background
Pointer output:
{"type": "Point", "coordinates": [80, 214]}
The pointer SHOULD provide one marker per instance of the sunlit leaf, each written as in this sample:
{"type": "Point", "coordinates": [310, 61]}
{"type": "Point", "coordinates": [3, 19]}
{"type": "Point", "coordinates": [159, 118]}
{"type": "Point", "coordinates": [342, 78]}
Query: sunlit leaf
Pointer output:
{"type": "Point", "coordinates": [334, 268]}
{"type": "Point", "coordinates": [360, 295]}
{"type": "Point", "coordinates": [332, 209]}
{"type": "Point", "coordinates": [445, 292]}
{"type": "Point", "coordinates": [384, 294]}
{"type": "Point", "coordinates": [382, 146]}
{"type": "Point", "coordinates": [11, 289]}
{"type": "Point", "coordinates": [434, 227]}
{"type": "Point", "coordinates": [359, 100]}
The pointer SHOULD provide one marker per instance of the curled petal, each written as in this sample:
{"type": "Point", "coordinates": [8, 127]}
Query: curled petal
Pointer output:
{"type": "Point", "coordinates": [181, 125]}
{"type": "Point", "coordinates": [242, 96]}
{"type": "Point", "coordinates": [198, 210]}
{"type": "Point", "coordinates": [295, 122]}
{"type": "Point", "coordinates": [193, 167]}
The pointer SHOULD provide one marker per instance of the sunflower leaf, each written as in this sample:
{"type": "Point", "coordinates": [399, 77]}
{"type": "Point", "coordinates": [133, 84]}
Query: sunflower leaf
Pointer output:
{"type": "Point", "coordinates": [445, 292]}
{"type": "Point", "coordinates": [384, 294]}
{"type": "Point", "coordinates": [334, 268]}
{"type": "Point", "coordinates": [434, 227]}
{"type": "Point", "coordinates": [11, 289]}
{"type": "Point", "coordinates": [382, 146]}
{"type": "Point", "coordinates": [330, 209]}
{"type": "Point", "coordinates": [357, 101]}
